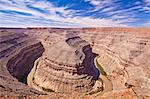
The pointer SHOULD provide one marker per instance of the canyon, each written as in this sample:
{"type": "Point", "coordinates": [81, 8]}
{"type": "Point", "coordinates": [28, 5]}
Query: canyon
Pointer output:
{"type": "Point", "coordinates": [75, 62]}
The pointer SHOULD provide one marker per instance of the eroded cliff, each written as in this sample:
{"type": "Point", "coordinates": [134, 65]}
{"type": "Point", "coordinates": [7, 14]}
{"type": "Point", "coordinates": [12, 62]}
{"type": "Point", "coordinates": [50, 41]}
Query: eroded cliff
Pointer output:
{"type": "Point", "coordinates": [123, 53]}
{"type": "Point", "coordinates": [67, 66]}
{"type": "Point", "coordinates": [18, 52]}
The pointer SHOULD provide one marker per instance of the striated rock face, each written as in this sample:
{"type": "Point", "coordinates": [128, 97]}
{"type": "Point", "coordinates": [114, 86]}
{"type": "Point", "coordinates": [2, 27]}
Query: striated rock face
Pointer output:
{"type": "Point", "coordinates": [124, 55]}
{"type": "Point", "coordinates": [122, 52]}
{"type": "Point", "coordinates": [17, 55]}
{"type": "Point", "coordinates": [21, 64]}
{"type": "Point", "coordinates": [67, 66]}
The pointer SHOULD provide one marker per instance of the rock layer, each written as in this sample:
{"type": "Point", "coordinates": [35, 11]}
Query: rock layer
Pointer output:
{"type": "Point", "coordinates": [17, 54]}
{"type": "Point", "coordinates": [21, 64]}
{"type": "Point", "coordinates": [67, 66]}
{"type": "Point", "coordinates": [122, 52]}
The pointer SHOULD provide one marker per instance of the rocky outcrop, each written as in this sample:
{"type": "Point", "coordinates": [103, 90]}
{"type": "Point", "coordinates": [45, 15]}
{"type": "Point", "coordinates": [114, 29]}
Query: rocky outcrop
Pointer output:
{"type": "Point", "coordinates": [18, 52]}
{"type": "Point", "coordinates": [67, 66]}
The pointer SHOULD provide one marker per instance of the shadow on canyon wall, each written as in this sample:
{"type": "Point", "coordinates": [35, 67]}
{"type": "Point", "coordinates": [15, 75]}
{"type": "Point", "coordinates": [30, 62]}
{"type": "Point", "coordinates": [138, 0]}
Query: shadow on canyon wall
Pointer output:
{"type": "Point", "coordinates": [87, 61]}
{"type": "Point", "coordinates": [21, 64]}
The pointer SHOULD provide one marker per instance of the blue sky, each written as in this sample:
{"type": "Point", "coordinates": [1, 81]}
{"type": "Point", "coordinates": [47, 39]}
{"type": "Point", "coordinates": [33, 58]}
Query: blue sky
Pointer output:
{"type": "Point", "coordinates": [74, 13]}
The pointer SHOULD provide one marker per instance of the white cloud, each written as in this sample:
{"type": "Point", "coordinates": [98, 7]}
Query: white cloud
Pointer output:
{"type": "Point", "coordinates": [146, 8]}
{"type": "Point", "coordinates": [66, 17]}
{"type": "Point", "coordinates": [119, 16]}
{"type": "Point", "coordinates": [95, 2]}
{"type": "Point", "coordinates": [52, 15]}
{"type": "Point", "coordinates": [147, 1]}
{"type": "Point", "coordinates": [146, 24]}
{"type": "Point", "coordinates": [114, 10]}
{"type": "Point", "coordinates": [137, 2]}
{"type": "Point", "coordinates": [98, 2]}
{"type": "Point", "coordinates": [107, 9]}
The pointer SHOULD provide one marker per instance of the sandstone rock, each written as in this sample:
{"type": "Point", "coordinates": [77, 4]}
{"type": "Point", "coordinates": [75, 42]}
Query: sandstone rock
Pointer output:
{"type": "Point", "coordinates": [122, 52]}
{"type": "Point", "coordinates": [16, 49]}
{"type": "Point", "coordinates": [67, 66]}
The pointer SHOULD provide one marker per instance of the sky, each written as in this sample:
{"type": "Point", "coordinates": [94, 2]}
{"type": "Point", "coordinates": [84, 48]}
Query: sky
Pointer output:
{"type": "Point", "coordinates": [74, 13]}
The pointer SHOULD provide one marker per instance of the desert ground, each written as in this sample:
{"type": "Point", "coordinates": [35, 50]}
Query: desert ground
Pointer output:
{"type": "Point", "coordinates": [75, 63]}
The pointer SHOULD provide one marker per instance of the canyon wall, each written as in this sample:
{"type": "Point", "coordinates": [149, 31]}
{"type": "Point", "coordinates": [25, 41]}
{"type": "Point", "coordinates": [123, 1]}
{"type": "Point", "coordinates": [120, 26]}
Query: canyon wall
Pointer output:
{"type": "Point", "coordinates": [123, 53]}
{"type": "Point", "coordinates": [66, 66]}
{"type": "Point", "coordinates": [17, 54]}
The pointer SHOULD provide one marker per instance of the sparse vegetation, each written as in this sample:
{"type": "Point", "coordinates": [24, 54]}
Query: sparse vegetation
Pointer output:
{"type": "Point", "coordinates": [47, 90]}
